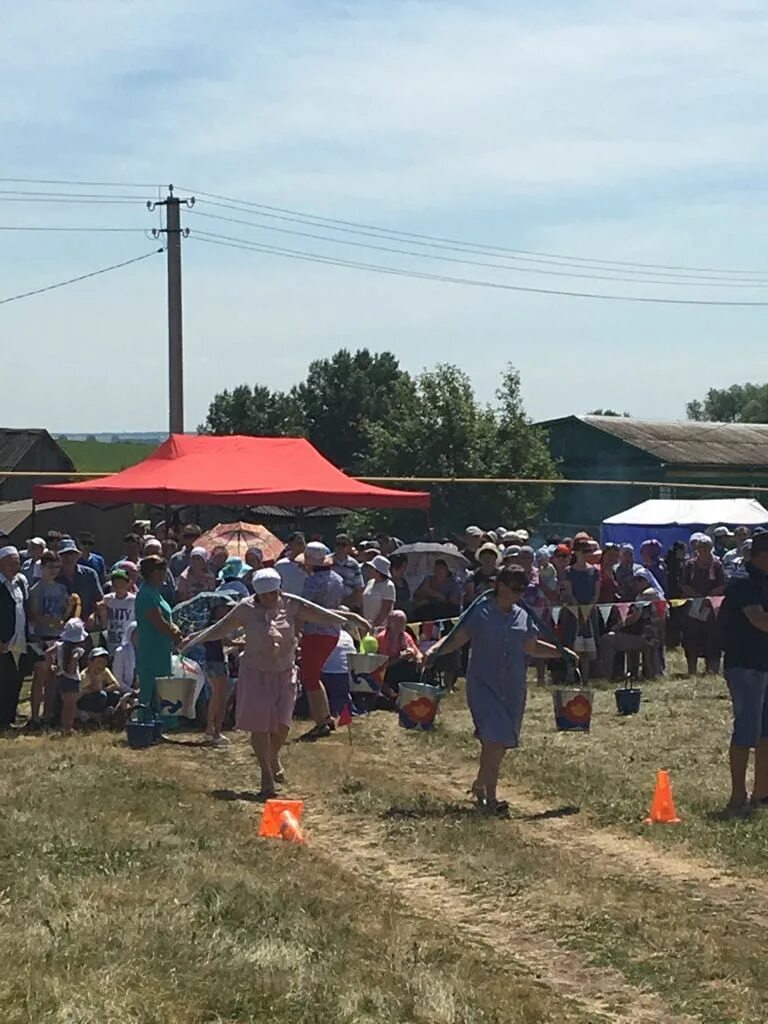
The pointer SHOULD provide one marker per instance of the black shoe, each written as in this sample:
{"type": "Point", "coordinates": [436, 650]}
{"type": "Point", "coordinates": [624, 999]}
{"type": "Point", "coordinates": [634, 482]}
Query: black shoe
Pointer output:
{"type": "Point", "coordinates": [34, 725]}
{"type": "Point", "coordinates": [318, 732]}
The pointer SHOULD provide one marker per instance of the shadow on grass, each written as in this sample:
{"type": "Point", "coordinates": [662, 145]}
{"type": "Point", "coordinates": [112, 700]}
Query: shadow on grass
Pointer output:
{"type": "Point", "coordinates": [232, 794]}
{"type": "Point", "coordinates": [436, 809]}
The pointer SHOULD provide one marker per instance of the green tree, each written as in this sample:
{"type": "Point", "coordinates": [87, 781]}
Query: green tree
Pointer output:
{"type": "Point", "coordinates": [342, 396]}
{"type": "Point", "coordinates": [253, 410]}
{"type": "Point", "coordinates": [740, 403]}
{"type": "Point", "coordinates": [441, 430]}
{"type": "Point", "coordinates": [607, 412]}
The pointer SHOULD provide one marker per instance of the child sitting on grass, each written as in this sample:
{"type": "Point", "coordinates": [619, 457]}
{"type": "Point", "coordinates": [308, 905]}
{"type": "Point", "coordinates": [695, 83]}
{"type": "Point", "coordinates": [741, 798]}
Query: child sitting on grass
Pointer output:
{"type": "Point", "coordinates": [100, 691]}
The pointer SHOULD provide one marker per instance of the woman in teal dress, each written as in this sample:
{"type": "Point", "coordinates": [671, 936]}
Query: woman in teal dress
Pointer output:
{"type": "Point", "coordinates": [156, 631]}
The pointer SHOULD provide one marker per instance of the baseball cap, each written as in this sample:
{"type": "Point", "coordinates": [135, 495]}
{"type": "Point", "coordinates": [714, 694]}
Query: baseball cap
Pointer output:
{"type": "Point", "coordinates": [98, 652]}
{"type": "Point", "coordinates": [473, 531]}
{"type": "Point", "coordinates": [119, 574]}
{"type": "Point", "coordinates": [315, 553]}
{"type": "Point", "coordinates": [721, 531]}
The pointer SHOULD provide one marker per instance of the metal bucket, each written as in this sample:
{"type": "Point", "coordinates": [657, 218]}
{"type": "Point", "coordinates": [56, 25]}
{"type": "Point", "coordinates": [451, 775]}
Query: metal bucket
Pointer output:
{"type": "Point", "coordinates": [140, 728]}
{"type": "Point", "coordinates": [364, 686]}
{"type": "Point", "coordinates": [628, 699]}
{"type": "Point", "coordinates": [175, 696]}
{"type": "Point", "coordinates": [573, 709]}
{"type": "Point", "coordinates": [418, 704]}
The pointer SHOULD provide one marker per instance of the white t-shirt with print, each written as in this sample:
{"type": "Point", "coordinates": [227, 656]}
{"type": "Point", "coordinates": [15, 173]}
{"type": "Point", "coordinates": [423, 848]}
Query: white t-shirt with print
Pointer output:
{"type": "Point", "coordinates": [120, 611]}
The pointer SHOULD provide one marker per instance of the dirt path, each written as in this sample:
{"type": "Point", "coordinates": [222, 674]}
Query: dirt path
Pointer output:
{"type": "Point", "coordinates": [505, 928]}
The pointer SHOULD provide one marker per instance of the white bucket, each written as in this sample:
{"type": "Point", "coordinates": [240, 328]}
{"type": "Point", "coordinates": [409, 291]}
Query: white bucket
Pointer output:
{"type": "Point", "coordinates": [176, 696]}
{"type": "Point", "coordinates": [361, 670]}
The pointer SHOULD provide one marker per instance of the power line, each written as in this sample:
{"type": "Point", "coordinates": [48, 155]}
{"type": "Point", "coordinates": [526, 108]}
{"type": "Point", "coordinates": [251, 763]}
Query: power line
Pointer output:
{"type": "Point", "coordinates": [46, 227]}
{"type": "Point", "coordinates": [84, 184]}
{"type": "Point", "coordinates": [359, 226]}
{"type": "Point", "coordinates": [68, 195]}
{"type": "Point", "coordinates": [240, 243]}
{"type": "Point", "coordinates": [73, 199]}
{"type": "Point", "coordinates": [81, 277]}
{"type": "Point", "coordinates": [700, 282]}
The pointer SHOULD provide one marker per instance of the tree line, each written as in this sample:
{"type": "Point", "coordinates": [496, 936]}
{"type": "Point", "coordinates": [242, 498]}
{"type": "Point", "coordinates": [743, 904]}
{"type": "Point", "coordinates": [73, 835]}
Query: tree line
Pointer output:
{"type": "Point", "coordinates": [371, 417]}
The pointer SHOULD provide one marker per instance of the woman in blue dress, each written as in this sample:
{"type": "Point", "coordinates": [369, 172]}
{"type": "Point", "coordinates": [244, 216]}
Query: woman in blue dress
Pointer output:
{"type": "Point", "coordinates": [502, 635]}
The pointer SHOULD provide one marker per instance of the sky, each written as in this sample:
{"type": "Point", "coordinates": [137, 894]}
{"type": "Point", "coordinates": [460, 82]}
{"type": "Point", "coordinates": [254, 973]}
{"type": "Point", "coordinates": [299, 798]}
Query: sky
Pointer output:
{"type": "Point", "coordinates": [631, 132]}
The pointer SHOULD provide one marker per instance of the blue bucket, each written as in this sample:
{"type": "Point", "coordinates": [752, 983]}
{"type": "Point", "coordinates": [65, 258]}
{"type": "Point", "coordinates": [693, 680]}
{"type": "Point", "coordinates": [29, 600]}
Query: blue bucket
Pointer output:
{"type": "Point", "coordinates": [417, 705]}
{"type": "Point", "coordinates": [141, 734]}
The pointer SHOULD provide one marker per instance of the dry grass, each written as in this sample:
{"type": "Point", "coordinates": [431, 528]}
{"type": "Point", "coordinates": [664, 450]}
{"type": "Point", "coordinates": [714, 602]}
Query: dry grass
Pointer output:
{"type": "Point", "coordinates": [129, 894]}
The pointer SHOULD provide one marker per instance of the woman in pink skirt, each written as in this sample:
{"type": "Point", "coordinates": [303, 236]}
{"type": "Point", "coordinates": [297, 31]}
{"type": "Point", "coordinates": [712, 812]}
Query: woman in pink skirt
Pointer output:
{"type": "Point", "coordinates": [266, 685]}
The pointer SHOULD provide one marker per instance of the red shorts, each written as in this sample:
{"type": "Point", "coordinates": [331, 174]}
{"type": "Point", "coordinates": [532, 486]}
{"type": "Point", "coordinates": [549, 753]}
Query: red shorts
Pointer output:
{"type": "Point", "coordinates": [315, 651]}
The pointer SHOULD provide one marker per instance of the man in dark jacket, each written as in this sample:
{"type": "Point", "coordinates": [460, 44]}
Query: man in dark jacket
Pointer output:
{"type": "Point", "coordinates": [13, 633]}
{"type": "Point", "coordinates": [744, 618]}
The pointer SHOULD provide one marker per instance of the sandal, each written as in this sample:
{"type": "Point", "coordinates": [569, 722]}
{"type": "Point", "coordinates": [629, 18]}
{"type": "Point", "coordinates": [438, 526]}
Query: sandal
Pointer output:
{"type": "Point", "coordinates": [478, 792]}
{"type": "Point", "coordinates": [317, 732]}
{"type": "Point", "coordinates": [279, 775]}
{"type": "Point", "coordinates": [499, 808]}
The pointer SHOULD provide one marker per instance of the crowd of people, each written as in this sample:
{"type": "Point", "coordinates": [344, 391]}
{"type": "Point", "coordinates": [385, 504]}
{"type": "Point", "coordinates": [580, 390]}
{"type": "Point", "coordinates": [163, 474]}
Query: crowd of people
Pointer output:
{"type": "Point", "coordinates": [93, 639]}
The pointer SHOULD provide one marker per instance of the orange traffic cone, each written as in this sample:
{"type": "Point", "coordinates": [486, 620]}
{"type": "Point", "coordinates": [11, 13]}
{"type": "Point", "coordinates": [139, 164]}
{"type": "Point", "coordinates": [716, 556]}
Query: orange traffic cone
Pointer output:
{"type": "Point", "coordinates": [663, 805]}
{"type": "Point", "coordinates": [271, 818]}
{"type": "Point", "coordinates": [290, 829]}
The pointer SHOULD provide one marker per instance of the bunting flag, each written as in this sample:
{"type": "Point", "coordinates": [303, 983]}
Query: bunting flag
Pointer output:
{"type": "Point", "coordinates": [555, 612]}
{"type": "Point", "coordinates": [716, 602]}
{"type": "Point", "coordinates": [661, 608]}
{"type": "Point", "coordinates": [678, 602]}
{"type": "Point", "coordinates": [623, 611]}
{"type": "Point", "coordinates": [585, 610]}
{"type": "Point", "coordinates": [605, 612]}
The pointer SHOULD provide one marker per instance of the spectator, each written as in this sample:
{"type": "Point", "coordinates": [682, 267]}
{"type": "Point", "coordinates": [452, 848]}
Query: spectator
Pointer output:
{"type": "Point", "coordinates": [31, 566]}
{"type": "Point", "coordinates": [196, 577]}
{"type": "Point", "coordinates": [650, 559]}
{"type": "Point", "coordinates": [79, 579]}
{"type": "Point", "coordinates": [582, 592]}
{"type": "Point", "coordinates": [169, 547]}
{"type": "Point", "coordinates": [67, 654]}
{"type": "Point", "coordinates": [398, 567]}
{"type": "Point", "coordinates": [133, 546]}
{"type": "Point", "coordinates": [744, 619]}
{"type": "Point", "coordinates": [387, 545]}
{"type": "Point", "coordinates": [13, 633]}
{"type": "Point", "coordinates": [473, 538]}
{"type": "Point", "coordinates": [722, 535]}
{"type": "Point", "coordinates": [736, 553]}
{"type": "Point", "coordinates": [482, 579]}
{"type": "Point", "coordinates": [117, 609]}
{"type": "Point", "coordinates": [349, 569]}
{"type": "Point", "coordinates": [291, 572]}
{"type": "Point", "coordinates": [217, 559]}
{"type": "Point", "coordinates": [403, 655]}
{"type": "Point", "coordinates": [89, 557]}
{"type": "Point", "coordinates": [640, 635]}
{"type": "Point", "coordinates": [50, 606]}
{"type": "Point", "coordinates": [324, 588]}
{"type": "Point", "coordinates": [180, 561]}
{"type": "Point", "coordinates": [100, 690]}
{"type": "Point", "coordinates": [625, 573]}
{"type": "Point", "coordinates": [335, 675]}
{"type": "Point", "coordinates": [52, 540]}
{"type": "Point", "coordinates": [369, 549]}
{"type": "Point", "coordinates": [254, 560]}
{"type": "Point", "coordinates": [379, 594]}
{"type": "Point", "coordinates": [231, 578]}
{"type": "Point", "coordinates": [702, 577]}
{"type": "Point", "coordinates": [608, 585]}
{"type": "Point", "coordinates": [152, 546]}
{"type": "Point", "coordinates": [156, 631]}
{"type": "Point", "coordinates": [439, 594]}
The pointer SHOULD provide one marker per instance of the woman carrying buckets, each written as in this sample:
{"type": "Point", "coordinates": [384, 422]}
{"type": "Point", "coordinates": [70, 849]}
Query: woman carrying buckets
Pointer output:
{"type": "Point", "coordinates": [503, 635]}
{"type": "Point", "coordinates": [266, 685]}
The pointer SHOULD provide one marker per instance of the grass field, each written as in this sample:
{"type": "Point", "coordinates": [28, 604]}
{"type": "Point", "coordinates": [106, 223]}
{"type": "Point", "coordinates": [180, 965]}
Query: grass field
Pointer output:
{"type": "Point", "coordinates": [133, 887]}
{"type": "Point", "coordinates": [106, 457]}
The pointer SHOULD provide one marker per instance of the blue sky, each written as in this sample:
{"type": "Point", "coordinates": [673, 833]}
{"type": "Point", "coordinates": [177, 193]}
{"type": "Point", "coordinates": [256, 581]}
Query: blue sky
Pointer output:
{"type": "Point", "coordinates": [632, 131]}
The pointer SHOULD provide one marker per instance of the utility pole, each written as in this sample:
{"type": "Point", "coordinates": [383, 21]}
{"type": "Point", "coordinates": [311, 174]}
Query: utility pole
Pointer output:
{"type": "Point", "coordinates": [174, 233]}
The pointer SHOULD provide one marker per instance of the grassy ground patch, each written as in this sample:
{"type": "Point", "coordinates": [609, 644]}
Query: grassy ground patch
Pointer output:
{"type": "Point", "coordinates": [105, 456]}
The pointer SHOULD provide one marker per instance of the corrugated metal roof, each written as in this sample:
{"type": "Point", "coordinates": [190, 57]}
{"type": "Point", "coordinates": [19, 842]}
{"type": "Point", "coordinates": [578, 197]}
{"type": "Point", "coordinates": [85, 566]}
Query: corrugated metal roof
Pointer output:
{"type": "Point", "coordinates": [14, 445]}
{"type": "Point", "coordinates": [689, 443]}
{"type": "Point", "coordinates": [13, 513]}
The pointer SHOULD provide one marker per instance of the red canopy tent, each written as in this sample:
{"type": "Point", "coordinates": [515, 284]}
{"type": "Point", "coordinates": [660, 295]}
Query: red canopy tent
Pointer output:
{"type": "Point", "coordinates": [235, 470]}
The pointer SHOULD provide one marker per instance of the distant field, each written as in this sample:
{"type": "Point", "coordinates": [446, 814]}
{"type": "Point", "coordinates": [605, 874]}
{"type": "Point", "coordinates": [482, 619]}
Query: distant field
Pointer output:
{"type": "Point", "coordinates": [104, 456]}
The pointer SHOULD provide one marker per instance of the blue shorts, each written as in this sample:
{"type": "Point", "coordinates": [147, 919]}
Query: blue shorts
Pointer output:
{"type": "Point", "coordinates": [66, 685]}
{"type": "Point", "coordinates": [749, 694]}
